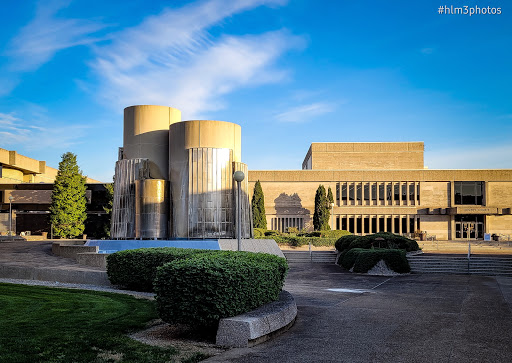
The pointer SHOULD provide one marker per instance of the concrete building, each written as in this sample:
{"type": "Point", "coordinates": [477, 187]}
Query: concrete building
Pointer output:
{"type": "Point", "coordinates": [174, 178]}
{"type": "Point", "coordinates": [384, 186]}
{"type": "Point", "coordinates": [26, 186]}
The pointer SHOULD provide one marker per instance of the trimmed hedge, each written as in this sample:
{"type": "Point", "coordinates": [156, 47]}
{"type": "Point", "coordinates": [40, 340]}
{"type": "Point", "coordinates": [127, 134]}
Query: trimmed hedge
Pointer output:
{"type": "Point", "coordinates": [326, 234]}
{"type": "Point", "coordinates": [206, 288]}
{"type": "Point", "coordinates": [363, 260]}
{"type": "Point", "coordinates": [390, 241]}
{"type": "Point", "coordinates": [297, 241]}
{"type": "Point", "coordinates": [136, 269]}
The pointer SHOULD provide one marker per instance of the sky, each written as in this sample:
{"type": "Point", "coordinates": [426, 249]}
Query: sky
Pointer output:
{"type": "Point", "coordinates": [289, 72]}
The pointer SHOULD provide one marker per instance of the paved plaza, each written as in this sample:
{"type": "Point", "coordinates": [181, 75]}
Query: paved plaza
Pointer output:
{"type": "Point", "coordinates": [346, 317]}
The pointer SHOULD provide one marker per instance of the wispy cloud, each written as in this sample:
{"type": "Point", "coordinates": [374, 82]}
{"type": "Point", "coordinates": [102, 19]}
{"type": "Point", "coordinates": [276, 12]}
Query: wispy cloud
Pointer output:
{"type": "Point", "coordinates": [474, 157]}
{"type": "Point", "coordinates": [427, 51]}
{"type": "Point", "coordinates": [46, 34]}
{"type": "Point", "coordinates": [172, 59]}
{"type": "Point", "coordinates": [17, 131]}
{"type": "Point", "coordinates": [305, 113]}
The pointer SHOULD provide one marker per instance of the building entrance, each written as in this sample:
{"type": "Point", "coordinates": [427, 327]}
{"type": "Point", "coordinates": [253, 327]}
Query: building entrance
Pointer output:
{"type": "Point", "coordinates": [469, 227]}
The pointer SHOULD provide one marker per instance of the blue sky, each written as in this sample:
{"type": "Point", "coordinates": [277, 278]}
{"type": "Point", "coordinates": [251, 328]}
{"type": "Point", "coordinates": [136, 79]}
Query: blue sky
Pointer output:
{"type": "Point", "coordinates": [289, 72]}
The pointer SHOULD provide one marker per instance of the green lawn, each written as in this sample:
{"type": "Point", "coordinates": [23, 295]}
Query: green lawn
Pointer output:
{"type": "Point", "coordinates": [40, 324]}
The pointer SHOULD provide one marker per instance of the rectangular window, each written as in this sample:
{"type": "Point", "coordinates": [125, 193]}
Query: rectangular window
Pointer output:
{"type": "Point", "coordinates": [344, 224]}
{"type": "Point", "coordinates": [418, 193]}
{"type": "Point", "coordinates": [404, 192]}
{"type": "Point", "coordinates": [388, 192]}
{"type": "Point", "coordinates": [366, 192]}
{"type": "Point", "coordinates": [381, 191]}
{"type": "Point", "coordinates": [469, 193]}
{"type": "Point", "coordinates": [374, 191]}
{"type": "Point", "coordinates": [359, 191]}
{"type": "Point", "coordinates": [337, 193]}
{"type": "Point", "coordinates": [397, 192]}
{"type": "Point", "coordinates": [351, 192]}
{"type": "Point", "coordinates": [337, 222]}
{"type": "Point", "coordinates": [344, 191]}
{"type": "Point", "coordinates": [411, 193]}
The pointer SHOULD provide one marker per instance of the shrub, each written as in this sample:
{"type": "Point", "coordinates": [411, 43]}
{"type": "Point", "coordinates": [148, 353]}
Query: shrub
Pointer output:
{"type": "Point", "coordinates": [298, 241]}
{"type": "Point", "coordinates": [389, 240]}
{"type": "Point", "coordinates": [363, 260]}
{"type": "Point", "coordinates": [272, 233]}
{"type": "Point", "coordinates": [259, 232]}
{"type": "Point", "coordinates": [343, 243]}
{"type": "Point", "coordinates": [335, 233]}
{"type": "Point", "coordinates": [136, 269]}
{"type": "Point", "coordinates": [206, 288]}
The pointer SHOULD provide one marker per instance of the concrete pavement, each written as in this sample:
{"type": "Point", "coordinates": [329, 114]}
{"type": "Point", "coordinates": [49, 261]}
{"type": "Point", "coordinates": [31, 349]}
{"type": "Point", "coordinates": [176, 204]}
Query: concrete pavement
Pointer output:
{"type": "Point", "coordinates": [410, 318]}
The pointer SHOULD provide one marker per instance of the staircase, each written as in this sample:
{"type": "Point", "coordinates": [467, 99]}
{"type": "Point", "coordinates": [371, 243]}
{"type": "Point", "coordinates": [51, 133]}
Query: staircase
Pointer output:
{"type": "Point", "coordinates": [459, 264]}
{"type": "Point", "coordinates": [314, 257]}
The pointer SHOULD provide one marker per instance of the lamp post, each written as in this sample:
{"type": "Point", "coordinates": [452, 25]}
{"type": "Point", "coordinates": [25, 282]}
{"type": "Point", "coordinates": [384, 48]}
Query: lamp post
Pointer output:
{"type": "Point", "coordinates": [239, 176]}
{"type": "Point", "coordinates": [10, 215]}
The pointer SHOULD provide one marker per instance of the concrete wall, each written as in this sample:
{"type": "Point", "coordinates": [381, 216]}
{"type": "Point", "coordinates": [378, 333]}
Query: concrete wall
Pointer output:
{"type": "Point", "coordinates": [146, 134]}
{"type": "Point", "coordinates": [499, 194]}
{"type": "Point", "coordinates": [438, 225]}
{"type": "Point", "coordinates": [22, 169]}
{"type": "Point", "coordinates": [500, 224]}
{"type": "Point", "coordinates": [435, 194]}
{"type": "Point", "coordinates": [366, 155]}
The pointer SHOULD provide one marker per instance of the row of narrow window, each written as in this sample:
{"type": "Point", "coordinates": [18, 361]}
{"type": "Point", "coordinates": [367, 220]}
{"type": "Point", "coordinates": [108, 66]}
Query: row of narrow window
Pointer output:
{"type": "Point", "coordinates": [387, 193]}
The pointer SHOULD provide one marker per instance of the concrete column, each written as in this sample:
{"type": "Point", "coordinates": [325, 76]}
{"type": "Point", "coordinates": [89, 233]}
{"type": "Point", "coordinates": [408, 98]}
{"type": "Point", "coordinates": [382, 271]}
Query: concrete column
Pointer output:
{"type": "Point", "coordinates": [451, 232]}
{"type": "Point", "coordinates": [346, 218]}
{"type": "Point", "coordinates": [399, 224]}
{"type": "Point", "coordinates": [452, 194]}
{"type": "Point", "coordinates": [392, 193]}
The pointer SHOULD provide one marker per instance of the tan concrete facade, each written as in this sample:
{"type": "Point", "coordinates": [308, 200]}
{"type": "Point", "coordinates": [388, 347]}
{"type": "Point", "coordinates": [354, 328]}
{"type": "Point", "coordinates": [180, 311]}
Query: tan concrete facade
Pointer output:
{"type": "Point", "coordinates": [364, 155]}
{"type": "Point", "coordinates": [373, 195]}
{"type": "Point", "coordinates": [17, 168]}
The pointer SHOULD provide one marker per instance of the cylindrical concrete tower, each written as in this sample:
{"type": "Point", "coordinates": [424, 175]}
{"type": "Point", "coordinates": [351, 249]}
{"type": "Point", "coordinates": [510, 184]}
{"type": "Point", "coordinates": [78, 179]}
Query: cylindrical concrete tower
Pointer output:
{"type": "Point", "coordinates": [146, 135]}
{"type": "Point", "coordinates": [201, 156]}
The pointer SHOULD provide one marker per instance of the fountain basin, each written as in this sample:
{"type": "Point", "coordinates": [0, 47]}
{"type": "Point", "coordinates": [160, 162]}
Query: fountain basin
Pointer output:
{"type": "Point", "coordinates": [111, 246]}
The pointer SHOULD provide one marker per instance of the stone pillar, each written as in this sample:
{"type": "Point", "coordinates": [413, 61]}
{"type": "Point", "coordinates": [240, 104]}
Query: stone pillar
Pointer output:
{"type": "Point", "coordinates": [399, 224]}
{"type": "Point", "coordinates": [452, 194]}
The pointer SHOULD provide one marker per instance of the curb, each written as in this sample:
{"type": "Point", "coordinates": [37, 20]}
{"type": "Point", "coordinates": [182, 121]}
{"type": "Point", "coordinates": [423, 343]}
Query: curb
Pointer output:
{"type": "Point", "coordinates": [258, 325]}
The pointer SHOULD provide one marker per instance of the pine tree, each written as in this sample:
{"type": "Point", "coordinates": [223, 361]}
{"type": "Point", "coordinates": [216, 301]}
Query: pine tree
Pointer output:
{"type": "Point", "coordinates": [258, 207]}
{"type": "Point", "coordinates": [322, 214]}
{"type": "Point", "coordinates": [68, 207]}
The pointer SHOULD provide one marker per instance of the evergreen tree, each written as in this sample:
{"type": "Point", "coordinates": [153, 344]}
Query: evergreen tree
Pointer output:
{"type": "Point", "coordinates": [258, 207]}
{"type": "Point", "coordinates": [330, 197]}
{"type": "Point", "coordinates": [108, 207]}
{"type": "Point", "coordinates": [68, 207]}
{"type": "Point", "coordinates": [322, 214]}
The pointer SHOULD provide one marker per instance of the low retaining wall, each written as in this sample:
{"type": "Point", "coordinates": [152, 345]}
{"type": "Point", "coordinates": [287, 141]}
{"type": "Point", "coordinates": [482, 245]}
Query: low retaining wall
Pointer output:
{"type": "Point", "coordinates": [252, 245]}
{"type": "Point", "coordinates": [93, 259]}
{"type": "Point", "coordinates": [70, 249]}
{"type": "Point", "coordinates": [55, 274]}
{"type": "Point", "coordinates": [258, 325]}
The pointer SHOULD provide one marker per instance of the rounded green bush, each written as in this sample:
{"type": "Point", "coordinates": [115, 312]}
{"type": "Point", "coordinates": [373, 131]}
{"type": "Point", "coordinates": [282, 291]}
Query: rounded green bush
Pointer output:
{"type": "Point", "coordinates": [206, 288]}
{"type": "Point", "coordinates": [362, 260]}
{"type": "Point", "coordinates": [136, 269]}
